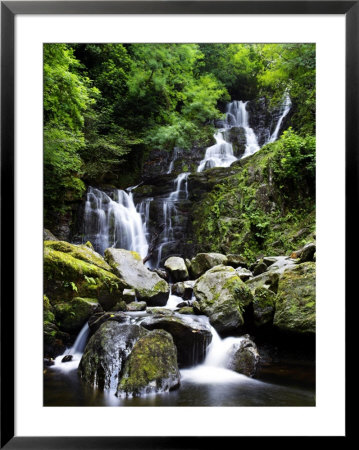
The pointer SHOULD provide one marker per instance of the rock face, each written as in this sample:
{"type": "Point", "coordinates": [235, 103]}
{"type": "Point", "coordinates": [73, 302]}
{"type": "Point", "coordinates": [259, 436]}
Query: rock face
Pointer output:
{"type": "Point", "coordinates": [295, 302]}
{"type": "Point", "coordinates": [74, 314]}
{"type": "Point", "coordinates": [106, 352]}
{"type": "Point", "coordinates": [48, 236]}
{"type": "Point", "coordinates": [237, 137]}
{"type": "Point", "coordinates": [177, 268]}
{"type": "Point", "coordinates": [128, 266]}
{"type": "Point", "coordinates": [244, 357]}
{"type": "Point", "coordinates": [205, 261]}
{"type": "Point", "coordinates": [151, 366]}
{"type": "Point", "coordinates": [223, 297]}
{"type": "Point", "coordinates": [190, 336]}
{"type": "Point", "coordinates": [77, 271]}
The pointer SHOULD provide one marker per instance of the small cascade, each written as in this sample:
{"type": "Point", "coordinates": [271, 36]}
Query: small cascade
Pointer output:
{"type": "Point", "coordinates": [74, 353]}
{"type": "Point", "coordinates": [114, 222]}
{"type": "Point", "coordinates": [176, 151]}
{"type": "Point", "coordinates": [218, 155]}
{"type": "Point", "coordinates": [284, 110]}
{"type": "Point", "coordinates": [170, 212]}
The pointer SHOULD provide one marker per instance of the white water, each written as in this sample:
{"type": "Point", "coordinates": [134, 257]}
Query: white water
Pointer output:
{"type": "Point", "coordinates": [76, 351]}
{"type": "Point", "coordinates": [114, 223]}
{"type": "Point", "coordinates": [221, 154]}
{"type": "Point", "coordinates": [169, 209]}
{"type": "Point", "coordinates": [214, 369]}
{"type": "Point", "coordinates": [285, 108]}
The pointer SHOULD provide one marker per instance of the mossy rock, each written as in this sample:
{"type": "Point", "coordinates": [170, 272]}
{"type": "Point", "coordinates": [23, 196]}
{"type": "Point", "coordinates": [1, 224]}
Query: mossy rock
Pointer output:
{"type": "Point", "coordinates": [128, 266]}
{"type": "Point", "coordinates": [223, 297]}
{"type": "Point", "coordinates": [48, 236]}
{"type": "Point", "coordinates": [83, 252]}
{"type": "Point", "coordinates": [151, 367]}
{"type": "Point", "coordinates": [186, 310]}
{"type": "Point", "coordinates": [106, 353]}
{"type": "Point", "coordinates": [72, 316]}
{"type": "Point", "coordinates": [205, 261]}
{"type": "Point", "coordinates": [244, 357]}
{"type": "Point", "coordinates": [295, 302]}
{"type": "Point", "coordinates": [263, 306]}
{"type": "Point", "coordinates": [136, 306]}
{"type": "Point", "coordinates": [66, 276]}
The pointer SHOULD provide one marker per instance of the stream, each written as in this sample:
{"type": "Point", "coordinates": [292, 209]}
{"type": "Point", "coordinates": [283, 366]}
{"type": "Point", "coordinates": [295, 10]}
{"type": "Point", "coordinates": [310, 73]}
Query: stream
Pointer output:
{"type": "Point", "coordinates": [112, 219]}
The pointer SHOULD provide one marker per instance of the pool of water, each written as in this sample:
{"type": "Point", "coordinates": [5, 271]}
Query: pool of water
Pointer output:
{"type": "Point", "coordinates": [276, 385]}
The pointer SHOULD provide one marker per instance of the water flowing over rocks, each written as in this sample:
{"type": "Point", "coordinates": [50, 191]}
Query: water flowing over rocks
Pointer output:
{"type": "Point", "coordinates": [106, 352]}
{"type": "Point", "coordinates": [132, 273]}
{"type": "Point", "coordinates": [151, 366]}
{"type": "Point", "coordinates": [191, 335]}
{"type": "Point", "coordinates": [223, 297]}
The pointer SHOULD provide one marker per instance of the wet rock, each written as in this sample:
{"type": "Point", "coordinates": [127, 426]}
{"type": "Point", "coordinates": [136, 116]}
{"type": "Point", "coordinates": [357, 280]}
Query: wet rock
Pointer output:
{"type": "Point", "coordinates": [177, 268]}
{"type": "Point", "coordinates": [186, 310]}
{"type": "Point", "coordinates": [308, 253]}
{"type": "Point", "coordinates": [151, 367]}
{"type": "Point", "coordinates": [244, 357]}
{"type": "Point", "coordinates": [223, 297]}
{"type": "Point", "coordinates": [205, 261]}
{"type": "Point", "coordinates": [183, 289]}
{"type": "Point", "coordinates": [96, 320]}
{"type": "Point", "coordinates": [137, 306]}
{"type": "Point", "coordinates": [269, 260]}
{"type": "Point", "coordinates": [48, 362]}
{"type": "Point", "coordinates": [268, 280]}
{"type": "Point", "coordinates": [129, 268]}
{"type": "Point", "coordinates": [159, 311]}
{"type": "Point", "coordinates": [190, 336]}
{"type": "Point", "coordinates": [106, 352]}
{"type": "Point", "coordinates": [67, 358]}
{"type": "Point", "coordinates": [295, 302]}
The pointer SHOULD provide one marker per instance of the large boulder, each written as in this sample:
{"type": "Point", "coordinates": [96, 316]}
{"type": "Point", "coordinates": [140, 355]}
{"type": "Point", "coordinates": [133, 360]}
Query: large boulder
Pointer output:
{"type": "Point", "coordinates": [77, 271]}
{"type": "Point", "coordinates": [244, 357]}
{"type": "Point", "coordinates": [176, 266]}
{"type": "Point", "coordinates": [151, 367]}
{"type": "Point", "coordinates": [129, 268]}
{"type": "Point", "coordinates": [295, 302]}
{"type": "Point", "coordinates": [205, 261]}
{"type": "Point", "coordinates": [106, 353]}
{"type": "Point", "coordinates": [191, 335]}
{"type": "Point", "coordinates": [97, 319]}
{"type": "Point", "coordinates": [73, 315]}
{"type": "Point", "coordinates": [223, 297]}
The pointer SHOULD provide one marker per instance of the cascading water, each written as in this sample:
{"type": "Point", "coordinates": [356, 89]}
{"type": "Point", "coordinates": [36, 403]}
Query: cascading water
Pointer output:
{"type": "Point", "coordinates": [114, 222]}
{"type": "Point", "coordinates": [221, 154]}
{"type": "Point", "coordinates": [285, 108]}
{"type": "Point", "coordinates": [170, 212]}
{"type": "Point", "coordinates": [75, 352]}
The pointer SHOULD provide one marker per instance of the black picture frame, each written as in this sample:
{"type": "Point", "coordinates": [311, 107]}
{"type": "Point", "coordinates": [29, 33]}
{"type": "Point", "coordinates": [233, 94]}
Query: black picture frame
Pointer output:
{"type": "Point", "coordinates": [9, 10]}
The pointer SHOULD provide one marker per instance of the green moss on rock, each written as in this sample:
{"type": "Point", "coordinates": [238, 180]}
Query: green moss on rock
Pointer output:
{"type": "Point", "coordinates": [151, 367]}
{"type": "Point", "coordinates": [295, 302]}
{"type": "Point", "coordinates": [74, 314]}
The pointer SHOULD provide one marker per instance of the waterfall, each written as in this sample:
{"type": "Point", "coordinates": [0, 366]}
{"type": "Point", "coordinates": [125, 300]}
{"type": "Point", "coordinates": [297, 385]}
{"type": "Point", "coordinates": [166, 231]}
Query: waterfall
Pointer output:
{"type": "Point", "coordinates": [221, 154]}
{"type": "Point", "coordinates": [114, 222]}
{"type": "Point", "coordinates": [169, 211]}
{"type": "Point", "coordinates": [284, 110]}
{"type": "Point", "coordinates": [176, 151]}
{"type": "Point", "coordinates": [75, 351]}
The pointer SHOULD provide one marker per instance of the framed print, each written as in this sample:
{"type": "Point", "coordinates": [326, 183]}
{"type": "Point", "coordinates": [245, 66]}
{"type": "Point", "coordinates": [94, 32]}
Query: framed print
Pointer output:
{"type": "Point", "coordinates": [175, 189]}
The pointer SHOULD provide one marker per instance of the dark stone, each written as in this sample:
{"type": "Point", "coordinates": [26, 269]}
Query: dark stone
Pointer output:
{"type": "Point", "coordinates": [67, 358]}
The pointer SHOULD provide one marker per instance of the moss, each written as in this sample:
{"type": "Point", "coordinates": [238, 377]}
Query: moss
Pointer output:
{"type": "Point", "coordinates": [249, 213]}
{"type": "Point", "coordinates": [72, 315]}
{"type": "Point", "coordinates": [81, 252]}
{"type": "Point", "coordinates": [151, 366]}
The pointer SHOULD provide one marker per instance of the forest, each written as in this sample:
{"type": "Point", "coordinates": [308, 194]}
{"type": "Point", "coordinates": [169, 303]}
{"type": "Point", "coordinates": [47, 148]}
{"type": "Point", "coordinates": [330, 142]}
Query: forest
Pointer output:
{"type": "Point", "coordinates": [179, 224]}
